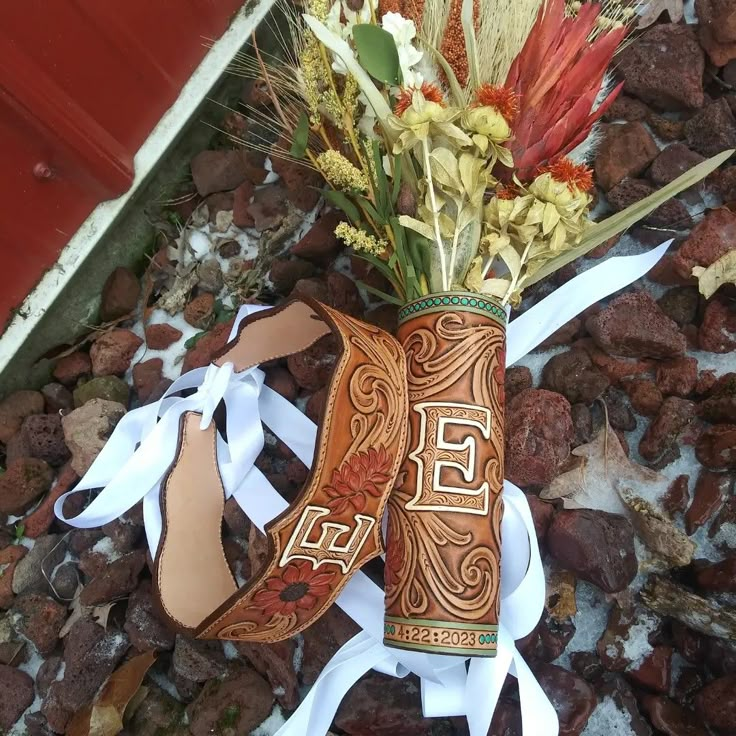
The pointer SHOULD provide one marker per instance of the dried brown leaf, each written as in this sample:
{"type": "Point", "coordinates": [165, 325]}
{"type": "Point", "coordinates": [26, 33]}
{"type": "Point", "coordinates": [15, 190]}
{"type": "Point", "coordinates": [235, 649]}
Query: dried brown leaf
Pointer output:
{"type": "Point", "coordinates": [595, 482]}
{"type": "Point", "coordinates": [654, 8]}
{"type": "Point", "coordinates": [104, 717]}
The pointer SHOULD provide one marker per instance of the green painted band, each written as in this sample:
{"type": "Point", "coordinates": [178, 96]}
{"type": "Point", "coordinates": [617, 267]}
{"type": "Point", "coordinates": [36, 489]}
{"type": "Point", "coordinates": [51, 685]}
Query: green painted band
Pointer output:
{"type": "Point", "coordinates": [440, 649]}
{"type": "Point", "coordinates": [459, 301]}
{"type": "Point", "coordinates": [440, 624]}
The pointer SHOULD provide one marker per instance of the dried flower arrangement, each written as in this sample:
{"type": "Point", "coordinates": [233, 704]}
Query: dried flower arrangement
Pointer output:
{"type": "Point", "coordinates": [455, 135]}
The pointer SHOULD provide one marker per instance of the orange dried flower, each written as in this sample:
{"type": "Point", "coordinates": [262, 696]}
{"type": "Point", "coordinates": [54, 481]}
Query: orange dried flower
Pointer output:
{"type": "Point", "coordinates": [431, 92]}
{"type": "Point", "coordinates": [502, 98]}
{"type": "Point", "coordinates": [576, 176]}
{"type": "Point", "coordinates": [508, 191]}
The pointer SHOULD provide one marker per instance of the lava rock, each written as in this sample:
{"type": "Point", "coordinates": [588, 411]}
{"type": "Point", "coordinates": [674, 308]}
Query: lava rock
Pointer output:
{"type": "Point", "coordinates": [645, 396]}
{"type": "Point", "coordinates": [712, 130]}
{"type": "Point", "coordinates": [18, 694]}
{"type": "Point", "coordinates": [539, 434]}
{"type": "Point", "coordinates": [243, 196]}
{"type": "Point", "coordinates": [719, 577]}
{"type": "Point", "coordinates": [662, 433]}
{"type": "Point", "coordinates": [322, 640]}
{"type": "Point", "coordinates": [276, 663]}
{"type": "Point", "coordinates": [615, 688]}
{"type": "Point", "coordinates": [44, 438]}
{"type": "Point", "coordinates": [209, 276]}
{"type": "Point", "coordinates": [596, 546]}
{"type": "Point", "coordinates": [146, 377]}
{"type": "Point", "coordinates": [58, 398]}
{"type": "Point", "coordinates": [198, 661]}
{"type": "Point", "coordinates": [717, 333]}
{"type": "Point", "coordinates": [571, 696]}
{"type": "Point", "coordinates": [720, 406]}
{"type": "Point", "coordinates": [343, 294]}
{"type": "Point", "coordinates": [655, 671]}
{"type": "Point", "coordinates": [303, 184]}
{"type": "Point", "coordinates": [542, 514]}
{"type": "Point", "coordinates": [710, 493]}
{"type": "Point", "coordinates": [108, 388]}
{"type": "Point", "coordinates": [677, 497]}
{"type": "Point", "coordinates": [268, 208]}
{"type": "Point", "coordinates": [117, 580]}
{"type": "Point", "coordinates": [200, 311]}
{"type": "Point", "coordinates": [320, 243]}
{"type": "Point", "coordinates": [379, 705]}
{"type": "Point", "coordinates": [113, 351]}
{"type": "Point", "coordinates": [673, 162]}
{"type": "Point", "coordinates": [87, 429]}
{"type": "Point", "coordinates": [634, 326]}
{"type": "Point", "coordinates": [209, 345]}
{"type": "Point", "coordinates": [218, 171]}
{"type": "Point", "coordinates": [680, 304]}
{"type": "Point", "coordinates": [710, 239]}
{"type": "Point", "coordinates": [231, 706]}
{"type": "Point", "coordinates": [671, 719]}
{"type": "Point", "coordinates": [671, 214]}
{"type": "Point", "coordinates": [716, 31]}
{"type": "Point", "coordinates": [286, 272]}
{"type": "Point", "coordinates": [41, 619]}
{"type": "Point", "coordinates": [161, 336]}
{"type": "Point", "coordinates": [716, 447]}
{"type": "Point", "coordinates": [573, 375]}
{"type": "Point", "coordinates": [665, 67]}
{"type": "Point", "coordinates": [91, 655]}
{"type": "Point", "coordinates": [65, 581]}
{"type": "Point", "coordinates": [24, 480]}
{"type": "Point", "coordinates": [716, 703]}
{"type": "Point", "coordinates": [620, 416]}
{"type": "Point", "coordinates": [582, 422]}
{"type": "Point", "coordinates": [282, 382]}
{"type": "Point", "coordinates": [518, 378]}
{"type": "Point", "coordinates": [312, 368]}
{"type": "Point", "coordinates": [678, 377]}
{"type": "Point", "coordinates": [626, 151]}
{"type": "Point", "coordinates": [15, 408]}
{"type": "Point", "coordinates": [119, 294]}
{"type": "Point", "coordinates": [142, 623]}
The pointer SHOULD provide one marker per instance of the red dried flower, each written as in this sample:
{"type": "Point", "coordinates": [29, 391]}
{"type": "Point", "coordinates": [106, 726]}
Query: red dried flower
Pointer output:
{"type": "Point", "coordinates": [508, 191]}
{"type": "Point", "coordinates": [365, 473]}
{"type": "Point", "coordinates": [298, 586]}
{"type": "Point", "coordinates": [500, 97]}
{"type": "Point", "coordinates": [558, 76]}
{"type": "Point", "coordinates": [431, 92]}
{"type": "Point", "coordinates": [576, 176]}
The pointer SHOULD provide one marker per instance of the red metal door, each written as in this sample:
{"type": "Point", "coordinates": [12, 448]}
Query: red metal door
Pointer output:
{"type": "Point", "coordinates": [82, 84]}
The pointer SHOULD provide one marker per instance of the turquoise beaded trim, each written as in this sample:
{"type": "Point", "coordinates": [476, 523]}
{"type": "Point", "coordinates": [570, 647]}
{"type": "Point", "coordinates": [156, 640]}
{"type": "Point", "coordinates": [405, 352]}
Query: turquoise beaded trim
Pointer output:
{"type": "Point", "coordinates": [461, 301]}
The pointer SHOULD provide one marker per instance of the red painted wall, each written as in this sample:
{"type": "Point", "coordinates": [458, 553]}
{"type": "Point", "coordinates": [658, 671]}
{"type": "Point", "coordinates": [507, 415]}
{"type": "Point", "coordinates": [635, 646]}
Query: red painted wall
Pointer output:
{"type": "Point", "coordinates": [82, 84]}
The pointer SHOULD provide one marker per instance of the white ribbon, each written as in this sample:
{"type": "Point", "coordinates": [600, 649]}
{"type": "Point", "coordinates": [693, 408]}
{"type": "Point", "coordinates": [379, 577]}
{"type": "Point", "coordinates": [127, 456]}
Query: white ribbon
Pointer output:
{"type": "Point", "coordinates": [143, 446]}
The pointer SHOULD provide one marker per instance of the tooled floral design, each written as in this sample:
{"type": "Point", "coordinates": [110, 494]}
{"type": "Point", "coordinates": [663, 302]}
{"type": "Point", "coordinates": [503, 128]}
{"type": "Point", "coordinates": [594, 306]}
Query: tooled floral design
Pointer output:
{"type": "Point", "coordinates": [499, 374]}
{"type": "Point", "coordinates": [297, 587]}
{"type": "Point", "coordinates": [361, 475]}
{"type": "Point", "coordinates": [395, 554]}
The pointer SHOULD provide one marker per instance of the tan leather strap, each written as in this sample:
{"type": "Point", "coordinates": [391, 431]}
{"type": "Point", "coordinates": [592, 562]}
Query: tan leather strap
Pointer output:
{"type": "Point", "coordinates": [333, 527]}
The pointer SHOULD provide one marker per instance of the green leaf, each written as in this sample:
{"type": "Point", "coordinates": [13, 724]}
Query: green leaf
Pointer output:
{"type": "Point", "coordinates": [381, 294]}
{"type": "Point", "coordinates": [600, 232]}
{"type": "Point", "coordinates": [339, 200]}
{"type": "Point", "coordinates": [338, 46]}
{"type": "Point", "coordinates": [397, 169]}
{"type": "Point", "coordinates": [194, 339]}
{"type": "Point", "coordinates": [381, 178]}
{"type": "Point", "coordinates": [377, 52]}
{"type": "Point", "coordinates": [378, 218]}
{"type": "Point", "coordinates": [301, 136]}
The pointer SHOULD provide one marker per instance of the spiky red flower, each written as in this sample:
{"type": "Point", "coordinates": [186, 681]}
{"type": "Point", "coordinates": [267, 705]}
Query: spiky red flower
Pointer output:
{"type": "Point", "coordinates": [500, 97]}
{"type": "Point", "coordinates": [558, 76]}
{"type": "Point", "coordinates": [576, 176]}
{"type": "Point", "coordinates": [431, 92]}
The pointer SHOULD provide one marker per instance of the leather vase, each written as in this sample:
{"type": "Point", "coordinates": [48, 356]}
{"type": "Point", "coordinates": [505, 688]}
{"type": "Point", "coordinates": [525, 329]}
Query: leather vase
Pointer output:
{"type": "Point", "coordinates": [443, 546]}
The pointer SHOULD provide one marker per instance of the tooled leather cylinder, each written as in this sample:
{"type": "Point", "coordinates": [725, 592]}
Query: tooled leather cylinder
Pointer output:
{"type": "Point", "coordinates": [443, 548]}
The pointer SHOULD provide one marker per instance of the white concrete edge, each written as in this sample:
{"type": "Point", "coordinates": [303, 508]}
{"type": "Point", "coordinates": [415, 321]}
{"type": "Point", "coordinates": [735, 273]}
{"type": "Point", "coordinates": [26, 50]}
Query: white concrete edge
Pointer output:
{"type": "Point", "coordinates": [84, 241]}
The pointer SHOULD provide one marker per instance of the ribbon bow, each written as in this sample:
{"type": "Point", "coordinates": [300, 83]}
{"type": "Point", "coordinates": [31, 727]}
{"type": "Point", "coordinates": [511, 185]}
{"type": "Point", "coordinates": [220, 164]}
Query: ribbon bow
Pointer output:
{"type": "Point", "coordinates": [132, 463]}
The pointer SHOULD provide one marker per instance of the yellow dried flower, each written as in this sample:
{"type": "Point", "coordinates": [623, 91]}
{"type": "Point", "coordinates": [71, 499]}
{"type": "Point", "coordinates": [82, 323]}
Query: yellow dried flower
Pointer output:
{"type": "Point", "coordinates": [341, 174]}
{"type": "Point", "coordinates": [359, 240]}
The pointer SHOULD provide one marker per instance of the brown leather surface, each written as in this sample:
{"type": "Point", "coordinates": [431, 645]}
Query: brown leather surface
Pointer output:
{"type": "Point", "coordinates": [334, 526]}
{"type": "Point", "coordinates": [192, 572]}
{"type": "Point", "coordinates": [443, 547]}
